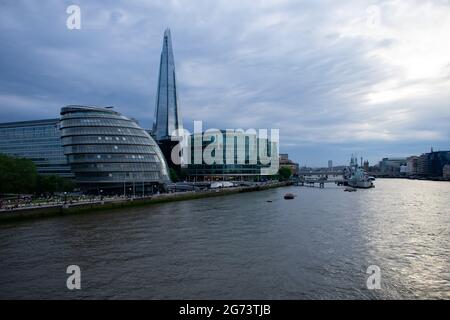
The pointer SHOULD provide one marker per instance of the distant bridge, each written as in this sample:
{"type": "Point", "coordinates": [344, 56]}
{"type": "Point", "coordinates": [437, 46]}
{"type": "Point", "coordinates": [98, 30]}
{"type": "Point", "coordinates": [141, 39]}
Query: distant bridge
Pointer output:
{"type": "Point", "coordinates": [321, 173]}
{"type": "Point", "coordinates": [321, 180]}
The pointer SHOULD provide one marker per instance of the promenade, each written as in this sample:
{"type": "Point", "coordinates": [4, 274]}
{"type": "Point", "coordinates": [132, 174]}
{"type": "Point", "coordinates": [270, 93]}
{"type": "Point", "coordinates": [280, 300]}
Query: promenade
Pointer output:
{"type": "Point", "coordinates": [89, 204]}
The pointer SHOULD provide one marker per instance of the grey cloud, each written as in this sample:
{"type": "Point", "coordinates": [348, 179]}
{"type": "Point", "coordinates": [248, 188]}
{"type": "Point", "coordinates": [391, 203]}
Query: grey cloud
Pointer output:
{"type": "Point", "coordinates": [282, 64]}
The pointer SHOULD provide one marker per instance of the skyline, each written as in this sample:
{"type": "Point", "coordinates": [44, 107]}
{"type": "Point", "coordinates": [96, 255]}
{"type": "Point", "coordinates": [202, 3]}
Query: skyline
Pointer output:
{"type": "Point", "coordinates": [341, 79]}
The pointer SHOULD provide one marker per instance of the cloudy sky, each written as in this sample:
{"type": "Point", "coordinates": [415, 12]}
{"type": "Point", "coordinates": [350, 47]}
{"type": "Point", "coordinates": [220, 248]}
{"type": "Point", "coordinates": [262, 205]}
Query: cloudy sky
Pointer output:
{"type": "Point", "coordinates": [336, 77]}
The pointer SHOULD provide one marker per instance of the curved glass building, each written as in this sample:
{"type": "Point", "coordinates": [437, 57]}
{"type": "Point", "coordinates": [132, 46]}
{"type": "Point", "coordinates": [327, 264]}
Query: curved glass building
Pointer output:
{"type": "Point", "coordinates": [109, 153]}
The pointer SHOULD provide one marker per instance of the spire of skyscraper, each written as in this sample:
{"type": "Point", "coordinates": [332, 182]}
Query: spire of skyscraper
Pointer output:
{"type": "Point", "coordinates": [167, 113]}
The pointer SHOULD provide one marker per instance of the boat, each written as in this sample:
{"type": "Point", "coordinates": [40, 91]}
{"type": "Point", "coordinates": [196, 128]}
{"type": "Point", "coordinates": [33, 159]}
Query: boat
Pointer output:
{"type": "Point", "coordinates": [357, 177]}
{"type": "Point", "coordinates": [289, 196]}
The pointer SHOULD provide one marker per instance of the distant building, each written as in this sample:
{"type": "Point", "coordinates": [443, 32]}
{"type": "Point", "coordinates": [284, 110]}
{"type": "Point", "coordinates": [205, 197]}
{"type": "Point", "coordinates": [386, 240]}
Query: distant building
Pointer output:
{"type": "Point", "coordinates": [366, 166]}
{"type": "Point", "coordinates": [446, 172]}
{"type": "Point", "coordinates": [436, 162]}
{"type": "Point", "coordinates": [391, 166]}
{"type": "Point", "coordinates": [412, 165]}
{"type": "Point", "coordinates": [286, 162]}
{"type": "Point", "coordinates": [423, 166]}
{"type": "Point", "coordinates": [403, 170]}
{"type": "Point", "coordinates": [39, 141]}
{"type": "Point", "coordinates": [432, 164]}
{"type": "Point", "coordinates": [330, 165]}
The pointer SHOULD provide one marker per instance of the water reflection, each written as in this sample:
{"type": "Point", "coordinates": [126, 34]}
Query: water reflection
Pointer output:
{"type": "Point", "coordinates": [316, 246]}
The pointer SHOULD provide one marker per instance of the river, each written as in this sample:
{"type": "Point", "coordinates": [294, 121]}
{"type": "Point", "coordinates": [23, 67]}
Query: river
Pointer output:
{"type": "Point", "coordinates": [317, 246]}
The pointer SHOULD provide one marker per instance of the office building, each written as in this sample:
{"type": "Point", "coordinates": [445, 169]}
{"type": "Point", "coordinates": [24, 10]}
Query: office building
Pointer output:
{"type": "Point", "coordinates": [391, 166]}
{"type": "Point", "coordinates": [446, 172]}
{"type": "Point", "coordinates": [39, 141]}
{"type": "Point", "coordinates": [235, 158]}
{"type": "Point", "coordinates": [412, 165]}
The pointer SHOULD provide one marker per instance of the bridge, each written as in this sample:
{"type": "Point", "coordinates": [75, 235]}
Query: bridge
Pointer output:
{"type": "Point", "coordinates": [321, 173]}
{"type": "Point", "coordinates": [320, 180]}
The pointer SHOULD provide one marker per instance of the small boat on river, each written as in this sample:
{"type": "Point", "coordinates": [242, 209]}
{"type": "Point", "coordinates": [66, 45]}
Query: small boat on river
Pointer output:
{"type": "Point", "coordinates": [289, 196]}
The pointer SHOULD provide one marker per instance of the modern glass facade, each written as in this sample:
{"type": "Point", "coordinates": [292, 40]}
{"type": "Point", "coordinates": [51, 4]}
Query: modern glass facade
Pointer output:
{"type": "Point", "coordinates": [167, 113]}
{"type": "Point", "coordinates": [39, 141]}
{"type": "Point", "coordinates": [436, 162]}
{"type": "Point", "coordinates": [107, 150]}
{"type": "Point", "coordinates": [237, 156]}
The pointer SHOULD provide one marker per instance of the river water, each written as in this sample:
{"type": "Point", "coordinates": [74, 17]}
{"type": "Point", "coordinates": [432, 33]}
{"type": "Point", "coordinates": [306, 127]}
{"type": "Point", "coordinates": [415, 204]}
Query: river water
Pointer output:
{"type": "Point", "coordinates": [317, 246]}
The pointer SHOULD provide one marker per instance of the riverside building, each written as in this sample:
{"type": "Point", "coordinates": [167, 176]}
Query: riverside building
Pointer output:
{"type": "Point", "coordinates": [223, 156]}
{"type": "Point", "coordinates": [110, 153]}
{"type": "Point", "coordinates": [39, 141]}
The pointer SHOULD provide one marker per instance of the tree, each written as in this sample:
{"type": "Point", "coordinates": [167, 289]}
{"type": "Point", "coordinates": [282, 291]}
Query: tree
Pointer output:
{"type": "Point", "coordinates": [17, 175]}
{"type": "Point", "coordinates": [173, 175]}
{"type": "Point", "coordinates": [53, 183]}
{"type": "Point", "coordinates": [284, 173]}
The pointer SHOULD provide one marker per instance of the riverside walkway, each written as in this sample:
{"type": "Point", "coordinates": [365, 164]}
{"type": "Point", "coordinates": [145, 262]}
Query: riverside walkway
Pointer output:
{"type": "Point", "coordinates": [105, 203]}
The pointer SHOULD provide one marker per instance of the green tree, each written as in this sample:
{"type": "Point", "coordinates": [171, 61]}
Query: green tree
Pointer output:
{"type": "Point", "coordinates": [53, 183]}
{"type": "Point", "coordinates": [173, 175]}
{"type": "Point", "coordinates": [68, 185]}
{"type": "Point", "coordinates": [284, 173]}
{"type": "Point", "coordinates": [17, 175]}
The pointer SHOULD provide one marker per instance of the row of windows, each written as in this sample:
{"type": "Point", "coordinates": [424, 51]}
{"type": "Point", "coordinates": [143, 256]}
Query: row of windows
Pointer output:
{"type": "Point", "coordinates": [28, 141]}
{"type": "Point", "coordinates": [103, 131]}
{"type": "Point", "coordinates": [94, 114]}
{"type": "Point", "coordinates": [98, 122]}
{"type": "Point", "coordinates": [117, 176]}
{"type": "Point", "coordinates": [104, 148]}
{"type": "Point", "coordinates": [114, 167]}
{"type": "Point", "coordinates": [28, 132]}
{"type": "Point", "coordinates": [36, 146]}
{"type": "Point", "coordinates": [112, 157]}
{"type": "Point", "coordinates": [52, 164]}
{"type": "Point", "coordinates": [106, 140]}
{"type": "Point", "coordinates": [35, 155]}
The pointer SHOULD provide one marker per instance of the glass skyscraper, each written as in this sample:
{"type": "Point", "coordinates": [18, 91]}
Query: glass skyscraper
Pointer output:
{"type": "Point", "coordinates": [167, 112]}
{"type": "Point", "coordinates": [37, 140]}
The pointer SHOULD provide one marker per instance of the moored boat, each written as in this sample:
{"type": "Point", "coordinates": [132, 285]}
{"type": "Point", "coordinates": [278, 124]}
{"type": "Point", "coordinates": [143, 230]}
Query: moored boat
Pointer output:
{"type": "Point", "coordinates": [356, 177]}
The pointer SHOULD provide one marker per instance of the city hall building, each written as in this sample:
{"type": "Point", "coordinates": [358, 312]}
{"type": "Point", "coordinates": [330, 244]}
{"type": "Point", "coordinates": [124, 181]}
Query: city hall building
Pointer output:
{"type": "Point", "coordinates": [110, 153]}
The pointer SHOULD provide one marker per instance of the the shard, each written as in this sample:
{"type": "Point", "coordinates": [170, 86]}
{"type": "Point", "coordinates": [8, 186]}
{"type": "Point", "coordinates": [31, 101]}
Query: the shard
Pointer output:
{"type": "Point", "coordinates": [167, 113]}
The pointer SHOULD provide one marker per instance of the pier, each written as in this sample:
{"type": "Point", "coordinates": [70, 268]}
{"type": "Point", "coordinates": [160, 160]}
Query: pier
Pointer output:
{"type": "Point", "coordinates": [320, 181]}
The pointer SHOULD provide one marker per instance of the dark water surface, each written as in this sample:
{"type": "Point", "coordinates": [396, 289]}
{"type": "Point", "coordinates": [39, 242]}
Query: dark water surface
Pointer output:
{"type": "Point", "coordinates": [241, 246]}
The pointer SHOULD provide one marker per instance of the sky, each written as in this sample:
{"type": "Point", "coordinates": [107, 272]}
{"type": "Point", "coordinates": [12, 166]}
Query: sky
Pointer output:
{"type": "Point", "coordinates": [337, 78]}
